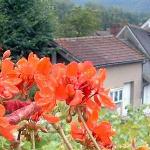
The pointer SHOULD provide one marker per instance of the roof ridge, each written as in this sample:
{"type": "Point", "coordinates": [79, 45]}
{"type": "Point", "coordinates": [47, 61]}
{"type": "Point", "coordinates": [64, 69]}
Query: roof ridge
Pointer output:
{"type": "Point", "coordinates": [84, 37]}
{"type": "Point", "coordinates": [132, 25]}
{"type": "Point", "coordinates": [137, 27]}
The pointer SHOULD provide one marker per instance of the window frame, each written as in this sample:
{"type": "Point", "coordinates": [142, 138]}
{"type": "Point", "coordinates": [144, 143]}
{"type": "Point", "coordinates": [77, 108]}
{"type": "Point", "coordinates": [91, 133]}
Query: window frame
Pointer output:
{"type": "Point", "coordinates": [113, 92]}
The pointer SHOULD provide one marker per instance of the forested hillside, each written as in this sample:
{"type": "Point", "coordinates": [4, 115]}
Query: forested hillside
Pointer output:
{"type": "Point", "coordinates": [129, 5]}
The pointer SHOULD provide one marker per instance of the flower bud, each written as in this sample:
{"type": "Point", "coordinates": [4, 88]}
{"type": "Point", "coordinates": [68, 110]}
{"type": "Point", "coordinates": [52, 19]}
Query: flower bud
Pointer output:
{"type": "Point", "coordinates": [69, 118]}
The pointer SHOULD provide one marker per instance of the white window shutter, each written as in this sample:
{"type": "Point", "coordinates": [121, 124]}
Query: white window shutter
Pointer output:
{"type": "Point", "coordinates": [126, 98]}
{"type": "Point", "coordinates": [146, 98]}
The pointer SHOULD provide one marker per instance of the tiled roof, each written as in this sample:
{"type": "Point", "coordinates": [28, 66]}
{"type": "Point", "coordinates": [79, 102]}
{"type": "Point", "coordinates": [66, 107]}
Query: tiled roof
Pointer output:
{"type": "Point", "coordinates": [102, 51]}
{"type": "Point", "coordinates": [102, 33]}
{"type": "Point", "coordinates": [142, 36]}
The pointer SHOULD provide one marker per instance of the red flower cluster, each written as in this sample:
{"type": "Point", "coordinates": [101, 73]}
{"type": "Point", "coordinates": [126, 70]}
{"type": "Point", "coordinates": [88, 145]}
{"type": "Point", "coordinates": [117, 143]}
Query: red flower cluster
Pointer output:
{"type": "Point", "coordinates": [6, 129]}
{"type": "Point", "coordinates": [102, 132]}
{"type": "Point", "coordinates": [79, 85]}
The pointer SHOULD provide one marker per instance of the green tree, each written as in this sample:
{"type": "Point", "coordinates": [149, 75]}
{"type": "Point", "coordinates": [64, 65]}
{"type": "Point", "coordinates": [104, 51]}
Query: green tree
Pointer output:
{"type": "Point", "coordinates": [27, 25]}
{"type": "Point", "coordinates": [81, 21]}
{"type": "Point", "coordinates": [62, 8]}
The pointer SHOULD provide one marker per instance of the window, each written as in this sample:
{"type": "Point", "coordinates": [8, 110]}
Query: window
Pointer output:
{"type": "Point", "coordinates": [117, 94]}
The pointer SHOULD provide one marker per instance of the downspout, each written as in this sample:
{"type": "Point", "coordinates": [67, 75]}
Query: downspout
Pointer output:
{"type": "Point", "coordinates": [143, 85]}
{"type": "Point", "coordinates": [54, 57]}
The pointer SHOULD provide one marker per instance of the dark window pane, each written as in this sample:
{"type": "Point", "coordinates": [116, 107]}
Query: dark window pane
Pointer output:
{"type": "Point", "coordinates": [120, 95]}
{"type": "Point", "coordinates": [111, 94]}
{"type": "Point", "coordinates": [116, 96]}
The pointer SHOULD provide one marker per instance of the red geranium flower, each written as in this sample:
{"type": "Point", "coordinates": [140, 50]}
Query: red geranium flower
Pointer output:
{"type": "Point", "coordinates": [6, 130]}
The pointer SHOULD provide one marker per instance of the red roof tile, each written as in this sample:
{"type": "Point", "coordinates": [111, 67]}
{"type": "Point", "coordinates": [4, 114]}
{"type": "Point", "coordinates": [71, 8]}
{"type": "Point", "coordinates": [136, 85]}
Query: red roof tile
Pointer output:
{"type": "Point", "coordinates": [100, 50]}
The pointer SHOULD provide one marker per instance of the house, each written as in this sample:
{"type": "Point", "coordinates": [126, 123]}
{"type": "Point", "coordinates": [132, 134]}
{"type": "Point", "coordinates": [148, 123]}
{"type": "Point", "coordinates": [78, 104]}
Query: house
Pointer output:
{"type": "Point", "coordinates": [124, 64]}
{"type": "Point", "coordinates": [102, 33]}
{"type": "Point", "coordinates": [139, 38]}
{"type": "Point", "coordinates": [146, 25]}
{"type": "Point", "coordinates": [113, 30]}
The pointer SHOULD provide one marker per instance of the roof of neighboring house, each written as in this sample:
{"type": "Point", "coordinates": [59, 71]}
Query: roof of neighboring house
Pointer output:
{"type": "Point", "coordinates": [102, 33]}
{"type": "Point", "coordinates": [142, 36]}
{"type": "Point", "coordinates": [101, 50]}
{"type": "Point", "coordinates": [146, 25]}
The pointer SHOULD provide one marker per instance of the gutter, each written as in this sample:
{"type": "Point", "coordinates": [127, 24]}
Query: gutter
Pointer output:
{"type": "Point", "coordinates": [119, 63]}
{"type": "Point", "coordinates": [67, 55]}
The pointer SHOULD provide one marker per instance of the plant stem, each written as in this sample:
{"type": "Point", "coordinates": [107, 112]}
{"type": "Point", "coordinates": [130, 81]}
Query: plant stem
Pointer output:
{"type": "Point", "coordinates": [87, 129]}
{"type": "Point", "coordinates": [19, 148]}
{"type": "Point", "coordinates": [133, 146]}
{"type": "Point", "coordinates": [33, 140]}
{"type": "Point", "coordinates": [19, 135]}
{"type": "Point", "coordinates": [15, 145]}
{"type": "Point", "coordinates": [60, 130]}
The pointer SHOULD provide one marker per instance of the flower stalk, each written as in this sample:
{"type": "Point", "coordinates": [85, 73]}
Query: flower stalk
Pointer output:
{"type": "Point", "coordinates": [33, 140]}
{"type": "Point", "coordinates": [60, 131]}
{"type": "Point", "coordinates": [87, 129]}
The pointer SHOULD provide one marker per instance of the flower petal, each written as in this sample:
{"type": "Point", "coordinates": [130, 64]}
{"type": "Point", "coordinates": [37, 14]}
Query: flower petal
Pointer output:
{"type": "Point", "coordinates": [6, 54]}
{"type": "Point", "coordinates": [61, 93]}
{"type": "Point", "coordinates": [2, 110]}
{"type": "Point", "coordinates": [77, 133]}
{"type": "Point", "coordinates": [107, 101]}
{"type": "Point", "coordinates": [77, 98]}
{"type": "Point", "coordinates": [72, 69]}
{"type": "Point", "coordinates": [50, 118]}
{"type": "Point", "coordinates": [44, 66]}
{"type": "Point", "coordinates": [7, 132]}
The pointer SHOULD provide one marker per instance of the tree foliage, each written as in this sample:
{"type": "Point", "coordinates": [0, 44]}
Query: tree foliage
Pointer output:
{"type": "Point", "coordinates": [75, 21]}
{"type": "Point", "coordinates": [80, 22]}
{"type": "Point", "coordinates": [26, 25]}
{"type": "Point", "coordinates": [62, 8]}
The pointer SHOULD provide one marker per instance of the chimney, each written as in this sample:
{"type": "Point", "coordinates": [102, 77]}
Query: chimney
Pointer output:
{"type": "Point", "coordinates": [115, 29]}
